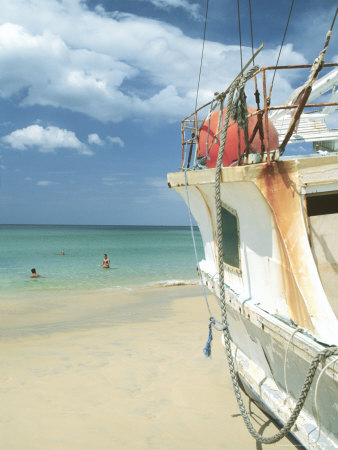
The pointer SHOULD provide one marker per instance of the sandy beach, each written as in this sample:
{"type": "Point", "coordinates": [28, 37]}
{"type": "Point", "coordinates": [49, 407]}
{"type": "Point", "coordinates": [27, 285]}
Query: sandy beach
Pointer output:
{"type": "Point", "coordinates": [117, 369]}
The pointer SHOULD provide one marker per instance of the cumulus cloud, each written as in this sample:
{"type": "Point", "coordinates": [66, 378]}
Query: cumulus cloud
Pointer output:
{"type": "Point", "coordinates": [95, 139]}
{"type": "Point", "coordinates": [192, 8]}
{"type": "Point", "coordinates": [110, 67]}
{"type": "Point", "coordinates": [47, 139]}
{"type": "Point", "coordinates": [116, 140]}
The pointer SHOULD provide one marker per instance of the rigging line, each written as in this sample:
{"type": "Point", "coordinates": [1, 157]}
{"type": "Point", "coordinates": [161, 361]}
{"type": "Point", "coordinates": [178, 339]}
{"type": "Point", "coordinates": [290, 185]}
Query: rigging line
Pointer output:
{"type": "Point", "coordinates": [240, 33]}
{"type": "Point", "coordinates": [204, 34]}
{"type": "Point", "coordinates": [280, 50]}
{"type": "Point", "coordinates": [195, 246]}
{"type": "Point", "coordinates": [252, 46]}
{"type": "Point", "coordinates": [334, 19]}
{"type": "Point", "coordinates": [297, 330]}
{"type": "Point", "coordinates": [253, 57]}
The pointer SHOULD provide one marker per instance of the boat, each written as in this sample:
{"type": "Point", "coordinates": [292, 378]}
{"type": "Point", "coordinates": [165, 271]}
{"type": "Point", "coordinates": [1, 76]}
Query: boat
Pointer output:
{"type": "Point", "coordinates": [269, 227]}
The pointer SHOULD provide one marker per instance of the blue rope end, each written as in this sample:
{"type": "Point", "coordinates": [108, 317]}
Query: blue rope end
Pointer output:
{"type": "Point", "coordinates": [207, 348]}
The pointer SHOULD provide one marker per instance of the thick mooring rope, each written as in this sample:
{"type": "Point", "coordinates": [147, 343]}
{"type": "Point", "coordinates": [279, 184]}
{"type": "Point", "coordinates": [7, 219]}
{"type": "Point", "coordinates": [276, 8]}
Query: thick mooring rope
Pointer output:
{"type": "Point", "coordinates": [226, 333]}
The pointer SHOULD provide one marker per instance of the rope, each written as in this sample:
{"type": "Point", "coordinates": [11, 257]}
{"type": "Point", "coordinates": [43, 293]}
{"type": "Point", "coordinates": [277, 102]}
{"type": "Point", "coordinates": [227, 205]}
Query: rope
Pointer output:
{"type": "Point", "coordinates": [194, 241]}
{"type": "Point", "coordinates": [305, 90]}
{"type": "Point", "coordinates": [240, 33]}
{"type": "Point", "coordinates": [201, 62]}
{"type": "Point", "coordinates": [212, 320]}
{"type": "Point", "coordinates": [239, 113]}
{"type": "Point", "coordinates": [212, 324]}
{"type": "Point", "coordinates": [298, 329]}
{"type": "Point", "coordinates": [316, 390]}
{"type": "Point", "coordinates": [227, 338]}
{"type": "Point", "coordinates": [280, 50]}
{"type": "Point", "coordinates": [252, 39]}
{"type": "Point", "coordinates": [208, 133]}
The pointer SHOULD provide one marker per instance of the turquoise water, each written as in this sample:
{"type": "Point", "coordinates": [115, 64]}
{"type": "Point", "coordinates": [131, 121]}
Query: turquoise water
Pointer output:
{"type": "Point", "coordinates": [138, 255]}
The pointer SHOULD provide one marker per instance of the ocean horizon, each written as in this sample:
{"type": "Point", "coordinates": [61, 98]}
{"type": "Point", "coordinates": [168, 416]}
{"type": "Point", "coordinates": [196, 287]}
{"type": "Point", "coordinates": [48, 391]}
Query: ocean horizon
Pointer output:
{"type": "Point", "coordinates": [140, 255]}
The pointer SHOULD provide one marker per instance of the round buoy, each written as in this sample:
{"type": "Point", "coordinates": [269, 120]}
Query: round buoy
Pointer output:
{"type": "Point", "coordinates": [231, 144]}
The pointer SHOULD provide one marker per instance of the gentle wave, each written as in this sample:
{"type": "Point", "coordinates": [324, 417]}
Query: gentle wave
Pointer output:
{"type": "Point", "coordinates": [169, 283]}
{"type": "Point", "coordinates": [114, 288]}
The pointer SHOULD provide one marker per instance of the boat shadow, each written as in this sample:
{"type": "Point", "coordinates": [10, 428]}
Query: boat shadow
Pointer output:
{"type": "Point", "coordinates": [263, 421]}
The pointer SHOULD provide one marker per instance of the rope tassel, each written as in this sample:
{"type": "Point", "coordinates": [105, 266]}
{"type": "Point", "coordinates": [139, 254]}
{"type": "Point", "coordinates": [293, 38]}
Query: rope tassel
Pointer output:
{"type": "Point", "coordinates": [207, 348]}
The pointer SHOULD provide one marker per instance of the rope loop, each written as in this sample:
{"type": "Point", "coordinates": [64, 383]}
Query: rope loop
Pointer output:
{"type": "Point", "coordinates": [212, 324]}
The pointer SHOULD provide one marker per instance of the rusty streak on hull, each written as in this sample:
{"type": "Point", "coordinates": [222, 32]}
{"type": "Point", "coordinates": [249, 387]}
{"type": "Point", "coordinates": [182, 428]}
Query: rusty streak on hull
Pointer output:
{"type": "Point", "coordinates": [279, 189]}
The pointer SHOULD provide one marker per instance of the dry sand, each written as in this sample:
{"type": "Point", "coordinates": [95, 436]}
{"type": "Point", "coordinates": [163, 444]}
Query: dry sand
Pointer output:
{"type": "Point", "coordinates": [117, 370]}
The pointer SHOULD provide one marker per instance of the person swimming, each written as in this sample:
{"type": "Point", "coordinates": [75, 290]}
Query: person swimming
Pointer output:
{"type": "Point", "coordinates": [34, 274]}
{"type": "Point", "coordinates": [106, 262]}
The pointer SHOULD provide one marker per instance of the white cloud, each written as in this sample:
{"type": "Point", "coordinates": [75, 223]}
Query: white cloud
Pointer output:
{"type": "Point", "coordinates": [44, 183]}
{"type": "Point", "coordinates": [115, 181]}
{"type": "Point", "coordinates": [28, 179]}
{"type": "Point", "coordinates": [116, 140]}
{"type": "Point", "coordinates": [192, 8]}
{"type": "Point", "coordinates": [47, 139]}
{"type": "Point", "coordinates": [94, 139]}
{"type": "Point", "coordinates": [111, 67]}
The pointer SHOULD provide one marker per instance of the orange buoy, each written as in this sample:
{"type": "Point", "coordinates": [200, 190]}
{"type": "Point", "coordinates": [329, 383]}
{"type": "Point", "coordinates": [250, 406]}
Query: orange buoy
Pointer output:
{"type": "Point", "coordinates": [231, 144]}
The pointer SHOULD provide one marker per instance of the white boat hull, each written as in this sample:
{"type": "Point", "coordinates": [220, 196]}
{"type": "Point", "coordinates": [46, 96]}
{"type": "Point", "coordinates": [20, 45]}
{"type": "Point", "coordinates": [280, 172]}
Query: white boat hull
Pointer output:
{"type": "Point", "coordinates": [280, 307]}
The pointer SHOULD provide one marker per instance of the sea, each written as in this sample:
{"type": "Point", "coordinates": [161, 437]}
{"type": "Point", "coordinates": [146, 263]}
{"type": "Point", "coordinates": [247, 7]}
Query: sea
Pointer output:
{"type": "Point", "coordinates": [139, 256]}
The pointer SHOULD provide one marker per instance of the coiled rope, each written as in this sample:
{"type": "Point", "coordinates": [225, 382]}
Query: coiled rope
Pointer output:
{"type": "Point", "coordinates": [226, 333]}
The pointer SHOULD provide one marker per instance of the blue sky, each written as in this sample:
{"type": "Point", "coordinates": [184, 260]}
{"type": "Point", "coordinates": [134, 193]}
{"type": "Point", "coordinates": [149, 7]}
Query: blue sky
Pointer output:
{"type": "Point", "coordinates": [92, 94]}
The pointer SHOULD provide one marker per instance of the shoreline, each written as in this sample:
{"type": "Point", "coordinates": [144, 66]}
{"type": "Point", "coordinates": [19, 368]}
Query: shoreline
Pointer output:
{"type": "Point", "coordinates": [122, 371]}
{"type": "Point", "coordinates": [41, 290]}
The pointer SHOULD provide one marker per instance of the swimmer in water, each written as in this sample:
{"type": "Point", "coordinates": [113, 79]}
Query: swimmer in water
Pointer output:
{"type": "Point", "coordinates": [34, 274]}
{"type": "Point", "coordinates": [106, 262]}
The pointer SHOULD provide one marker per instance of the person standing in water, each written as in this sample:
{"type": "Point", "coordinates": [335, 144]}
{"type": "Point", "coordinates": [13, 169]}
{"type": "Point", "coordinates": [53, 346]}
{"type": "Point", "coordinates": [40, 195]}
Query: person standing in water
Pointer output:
{"type": "Point", "coordinates": [34, 274]}
{"type": "Point", "coordinates": [106, 262]}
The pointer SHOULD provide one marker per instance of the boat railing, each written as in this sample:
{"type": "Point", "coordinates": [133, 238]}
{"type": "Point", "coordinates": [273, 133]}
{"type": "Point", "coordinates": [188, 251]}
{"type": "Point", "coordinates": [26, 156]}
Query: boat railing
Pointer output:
{"type": "Point", "coordinates": [311, 122]}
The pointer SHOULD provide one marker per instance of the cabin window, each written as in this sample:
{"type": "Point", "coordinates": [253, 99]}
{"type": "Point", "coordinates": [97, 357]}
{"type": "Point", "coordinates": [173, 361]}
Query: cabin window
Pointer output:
{"type": "Point", "coordinates": [322, 204]}
{"type": "Point", "coordinates": [322, 210]}
{"type": "Point", "coordinates": [230, 237]}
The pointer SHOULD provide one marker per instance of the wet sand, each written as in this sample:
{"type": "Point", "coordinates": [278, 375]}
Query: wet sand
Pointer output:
{"type": "Point", "coordinates": [117, 370]}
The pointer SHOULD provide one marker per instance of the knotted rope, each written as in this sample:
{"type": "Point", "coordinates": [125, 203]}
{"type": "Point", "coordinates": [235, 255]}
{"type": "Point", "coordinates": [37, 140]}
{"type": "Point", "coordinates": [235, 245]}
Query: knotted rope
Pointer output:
{"type": "Point", "coordinates": [212, 324]}
{"type": "Point", "coordinates": [239, 112]}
